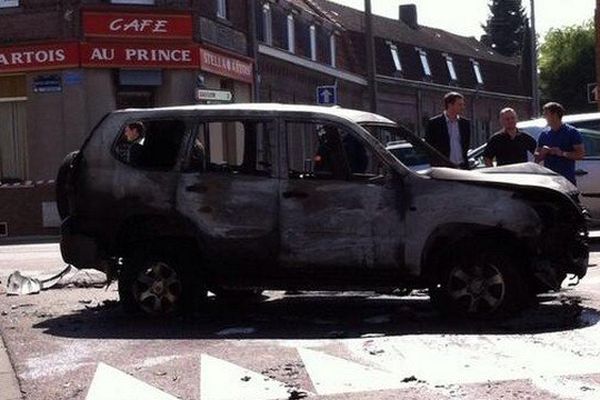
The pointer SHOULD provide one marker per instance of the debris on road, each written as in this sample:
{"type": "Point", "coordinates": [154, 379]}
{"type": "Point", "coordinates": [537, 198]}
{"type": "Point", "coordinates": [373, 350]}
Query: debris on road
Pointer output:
{"type": "Point", "coordinates": [70, 276]}
{"type": "Point", "coordinates": [21, 285]}
{"type": "Point", "coordinates": [235, 331]}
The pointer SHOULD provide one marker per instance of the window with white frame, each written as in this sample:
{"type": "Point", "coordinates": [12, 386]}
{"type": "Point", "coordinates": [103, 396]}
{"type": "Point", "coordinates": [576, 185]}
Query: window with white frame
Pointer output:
{"type": "Point", "coordinates": [395, 56]}
{"type": "Point", "coordinates": [313, 42]}
{"type": "Point", "coordinates": [267, 24]}
{"type": "Point", "coordinates": [222, 9]}
{"type": "Point", "coordinates": [451, 70]}
{"type": "Point", "coordinates": [332, 50]}
{"type": "Point", "coordinates": [424, 62]}
{"type": "Point", "coordinates": [291, 34]}
{"type": "Point", "coordinates": [477, 71]}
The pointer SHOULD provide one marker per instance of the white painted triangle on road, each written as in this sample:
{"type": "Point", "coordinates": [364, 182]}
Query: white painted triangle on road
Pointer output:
{"type": "Point", "coordinates": [567, 388]}
{"type": "Point", "coordinates": [222, 380]}
{"type": "Point", "coordinates": [112, 384]}
{"type": "Point", "coordinates": [332, 375]}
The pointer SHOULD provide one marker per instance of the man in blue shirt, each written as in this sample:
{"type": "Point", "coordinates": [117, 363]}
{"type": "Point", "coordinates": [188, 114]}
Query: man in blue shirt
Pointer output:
{"type": "Point", "coordinates": [559, 145]}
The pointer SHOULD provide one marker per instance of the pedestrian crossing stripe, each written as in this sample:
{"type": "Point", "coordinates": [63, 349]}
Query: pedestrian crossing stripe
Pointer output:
{"type": "Point", "coordinates": [222, 380]}
{"type": "Point", "coordinates": [333, 375]}
{"type": "Point", "coordinates": [112, 384]}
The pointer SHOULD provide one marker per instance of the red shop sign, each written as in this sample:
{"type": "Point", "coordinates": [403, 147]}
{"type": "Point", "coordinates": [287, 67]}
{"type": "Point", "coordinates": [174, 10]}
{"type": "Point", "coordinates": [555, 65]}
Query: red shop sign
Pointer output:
{"type": "Point", "coordinates": [39, 57]}
{"type": "Point", "coordinates": [224, 65]}
{"type": "Point", "coordinates": [106, 55]}
{"type": "Point", "coordinates": [135, 25]}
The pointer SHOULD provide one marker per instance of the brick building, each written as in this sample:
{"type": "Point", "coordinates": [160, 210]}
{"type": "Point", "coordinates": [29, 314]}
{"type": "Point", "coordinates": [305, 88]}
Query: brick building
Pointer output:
{"type": "Point", "coordinates": [63, 65]}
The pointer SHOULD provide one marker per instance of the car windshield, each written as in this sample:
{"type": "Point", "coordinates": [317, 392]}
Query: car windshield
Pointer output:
{"type": "Point", "coordinates": [408, 148]}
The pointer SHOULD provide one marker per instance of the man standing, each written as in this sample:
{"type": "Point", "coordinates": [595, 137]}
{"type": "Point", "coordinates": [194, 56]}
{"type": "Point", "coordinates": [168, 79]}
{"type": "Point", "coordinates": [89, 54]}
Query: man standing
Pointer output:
{"type": "Point", "coordinates": [509, 145]}
{"type": "Point", "coordinates": [449, 133]}
{"type": "Point", "coordinates": [560, 144]}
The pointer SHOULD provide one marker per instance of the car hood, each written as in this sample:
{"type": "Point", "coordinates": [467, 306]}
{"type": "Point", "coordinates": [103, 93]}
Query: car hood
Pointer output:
{"type": "Point", "coordinates": [526, 175]}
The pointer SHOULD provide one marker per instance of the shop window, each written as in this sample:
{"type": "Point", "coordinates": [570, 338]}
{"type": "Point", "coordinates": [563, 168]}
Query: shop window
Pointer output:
{"type": "Point", "coordinates": [150, 144]}
{"type": "Point", "coordinates": [324, 151]}
{"type": "Point", "coordinates": [267, 25]}
{"type": "Point", "coordinates": [291, 34]}
{"type": "Point", "coordinates": [424, 62]}
{"type": "Point", "coordinates": [135, 99]}
{"type": "Point", "coordinates": [451, 70]}
{"type": "Point", "coordinates": [222, 9]}
{"type": "Point", "coordinates": [477, 71]}
{"type": "Point", "coordinates": [13, 128]}
{"type": "Point", "coordinates": [233, 147]}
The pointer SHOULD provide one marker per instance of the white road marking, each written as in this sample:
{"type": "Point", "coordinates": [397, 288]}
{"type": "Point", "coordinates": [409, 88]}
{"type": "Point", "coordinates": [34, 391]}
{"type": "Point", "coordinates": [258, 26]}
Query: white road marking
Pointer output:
{"type": "Point", "coordinates": [222, 380]}
{"type": "Point", "coordinates": [459, 359]}
{"type": "Point", "coordinates": [333, 375]}
{"type": "Point", "coordinates": [567, 388]}
{"type": "Point", "coordinates": [111, 384]}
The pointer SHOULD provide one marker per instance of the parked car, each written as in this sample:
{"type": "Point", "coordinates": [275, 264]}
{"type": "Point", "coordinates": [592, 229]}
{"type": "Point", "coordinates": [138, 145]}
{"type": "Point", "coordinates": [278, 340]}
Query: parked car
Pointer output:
{"type": "Point", "coordinates": [587, 171]}
{"type": "Point", "coordinates": [244, 197]}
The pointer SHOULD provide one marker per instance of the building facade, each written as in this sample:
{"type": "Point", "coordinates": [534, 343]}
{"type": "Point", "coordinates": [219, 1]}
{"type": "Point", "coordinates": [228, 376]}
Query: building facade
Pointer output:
{"type": "Point", "coordinates": [64, 65]}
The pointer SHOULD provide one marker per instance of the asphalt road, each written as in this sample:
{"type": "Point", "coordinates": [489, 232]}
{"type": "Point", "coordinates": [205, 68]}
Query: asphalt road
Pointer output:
{"type": "Point", "coordinates": [77, 343]}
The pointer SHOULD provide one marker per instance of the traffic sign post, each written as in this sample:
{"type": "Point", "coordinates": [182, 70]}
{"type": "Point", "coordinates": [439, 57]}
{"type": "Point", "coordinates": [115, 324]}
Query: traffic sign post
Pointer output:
{"type": "Point", "coordinates": [327, 95]}
{"type": "Point", "coordinates": [216, 96]}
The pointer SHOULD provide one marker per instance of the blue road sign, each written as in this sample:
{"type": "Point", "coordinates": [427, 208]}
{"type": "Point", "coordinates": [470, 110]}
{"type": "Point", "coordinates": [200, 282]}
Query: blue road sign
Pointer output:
{"type": "Point", "coordinates": [327, 95]}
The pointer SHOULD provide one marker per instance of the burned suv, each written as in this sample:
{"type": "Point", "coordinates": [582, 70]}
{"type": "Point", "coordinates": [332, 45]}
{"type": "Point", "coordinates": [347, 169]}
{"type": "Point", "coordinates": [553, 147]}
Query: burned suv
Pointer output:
{"type": "Point", "coordinates": [239, 198]}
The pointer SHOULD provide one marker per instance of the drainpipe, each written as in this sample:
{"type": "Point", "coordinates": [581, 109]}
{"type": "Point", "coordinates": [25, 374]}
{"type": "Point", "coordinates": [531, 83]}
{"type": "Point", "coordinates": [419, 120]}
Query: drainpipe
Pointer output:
{"type": "Point", "coordinates": [253, 47]}
{"type": "Point", "coordinates": [534, 74]}
{"type": "Point", "coordinates": [370, 47]}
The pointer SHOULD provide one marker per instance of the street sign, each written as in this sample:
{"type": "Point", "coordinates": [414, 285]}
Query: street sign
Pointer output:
{"type": "Point", "coordinates": [327, 95]}
{"type": "Point", "coordinates": [213, 95]}
{"type": "Point", "coordinates": [592, 92]}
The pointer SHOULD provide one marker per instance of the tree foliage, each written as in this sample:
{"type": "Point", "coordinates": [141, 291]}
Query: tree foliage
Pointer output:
{"type": "Point", "coordinates": [505, 27]}
{"type": "Point", "coordinates": [567, 64]}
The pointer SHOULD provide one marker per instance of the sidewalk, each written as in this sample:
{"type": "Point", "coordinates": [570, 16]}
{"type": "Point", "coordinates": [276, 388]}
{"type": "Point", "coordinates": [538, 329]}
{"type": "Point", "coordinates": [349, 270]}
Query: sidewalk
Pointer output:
{"type": "Point", "coordinates": [9, 386]}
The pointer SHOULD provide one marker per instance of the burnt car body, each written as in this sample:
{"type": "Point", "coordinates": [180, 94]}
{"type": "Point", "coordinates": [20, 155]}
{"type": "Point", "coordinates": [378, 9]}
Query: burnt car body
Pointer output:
{"type": "Point", "coordinates": [243, 197]}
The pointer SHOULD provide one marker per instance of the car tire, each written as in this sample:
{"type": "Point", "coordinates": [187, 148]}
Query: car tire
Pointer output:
{"type": "Point", "coordinates": [159, 284]}
{"type": "Point", "coordinates": [481, 283]}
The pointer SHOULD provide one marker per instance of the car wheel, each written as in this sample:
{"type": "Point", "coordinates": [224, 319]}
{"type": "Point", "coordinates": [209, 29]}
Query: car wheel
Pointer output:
{"type": "Point", "coordinates": [157, 284]}
{"type": "Point", "coordinates": [481, 284]}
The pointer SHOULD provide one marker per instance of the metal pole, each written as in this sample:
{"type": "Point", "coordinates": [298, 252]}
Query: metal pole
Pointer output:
{"type": "Point", "coordinates": [370, 47]}
{"type": "Point", "coordinates": [535, 95]}
{"type": "Point", "coordinates": [253, 47]}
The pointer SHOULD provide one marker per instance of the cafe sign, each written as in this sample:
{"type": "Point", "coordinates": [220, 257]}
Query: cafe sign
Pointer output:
{"type": "Point", "coordinates": [137, 25]}
{"type": "Point", "coordinates": [138, 55]}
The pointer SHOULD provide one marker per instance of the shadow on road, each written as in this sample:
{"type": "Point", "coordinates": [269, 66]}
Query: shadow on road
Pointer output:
{"type": "Point", "coordinates": [315, 316]}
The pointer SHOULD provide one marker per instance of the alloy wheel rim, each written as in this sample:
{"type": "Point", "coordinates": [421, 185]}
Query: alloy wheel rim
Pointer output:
{"type": "Point", "coordinates": [477, 290]}
{"type": "Point", "coordinates": [157, 289]}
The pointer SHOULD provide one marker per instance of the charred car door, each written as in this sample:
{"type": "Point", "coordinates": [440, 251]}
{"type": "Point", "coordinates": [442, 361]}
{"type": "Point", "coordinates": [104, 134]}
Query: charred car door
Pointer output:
{"type": "Point", "coordinates": [339, 206]}
{"type": "Point", "coordinates": [229, 191]}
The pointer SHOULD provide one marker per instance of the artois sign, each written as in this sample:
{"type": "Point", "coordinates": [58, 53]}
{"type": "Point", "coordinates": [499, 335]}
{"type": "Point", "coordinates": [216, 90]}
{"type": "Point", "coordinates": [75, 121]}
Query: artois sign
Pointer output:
{"type": "Point", "coordinates": [39, 57]}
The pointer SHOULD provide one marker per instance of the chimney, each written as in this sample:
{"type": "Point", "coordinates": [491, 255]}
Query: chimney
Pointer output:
{"type": "Point", "coordinates": [408, 15]}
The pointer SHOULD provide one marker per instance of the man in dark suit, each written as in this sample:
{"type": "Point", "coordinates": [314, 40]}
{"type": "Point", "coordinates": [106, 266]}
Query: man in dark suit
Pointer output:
{"type": "Point", "coordinates": [449, 133]}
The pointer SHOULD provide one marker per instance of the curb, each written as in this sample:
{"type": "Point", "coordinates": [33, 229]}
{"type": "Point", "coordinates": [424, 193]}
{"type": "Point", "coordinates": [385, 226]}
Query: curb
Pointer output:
{"type": "Point", "coordinates": [9, 385]}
